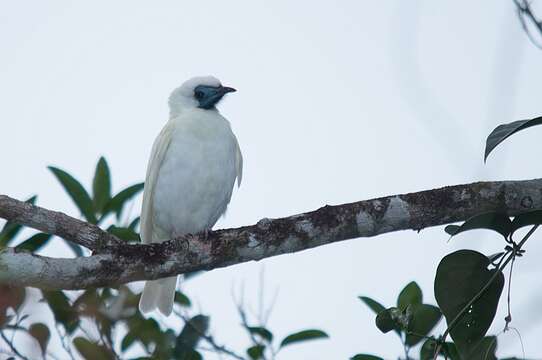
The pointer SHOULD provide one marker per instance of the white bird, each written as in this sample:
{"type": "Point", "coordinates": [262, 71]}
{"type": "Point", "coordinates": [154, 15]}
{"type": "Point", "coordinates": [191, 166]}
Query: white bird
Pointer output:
{"type": "Point", "coordinates": [192, 169]}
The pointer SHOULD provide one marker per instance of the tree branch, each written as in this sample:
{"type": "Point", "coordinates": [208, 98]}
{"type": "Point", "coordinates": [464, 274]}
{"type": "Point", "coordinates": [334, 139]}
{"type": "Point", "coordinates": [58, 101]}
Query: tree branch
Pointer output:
{"type": "Point", "coordinates": [117, 263]}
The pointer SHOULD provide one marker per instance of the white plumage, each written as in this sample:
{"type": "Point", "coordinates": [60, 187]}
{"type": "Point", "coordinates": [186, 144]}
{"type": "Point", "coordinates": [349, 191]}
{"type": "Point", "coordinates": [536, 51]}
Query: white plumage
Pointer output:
{"type": "Point", "coordinates": [190, 176]}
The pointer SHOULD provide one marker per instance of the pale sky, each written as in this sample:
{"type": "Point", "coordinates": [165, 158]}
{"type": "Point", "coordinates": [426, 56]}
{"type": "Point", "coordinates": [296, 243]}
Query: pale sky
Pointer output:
{"type": "Point", "coordinates": [336, 102]}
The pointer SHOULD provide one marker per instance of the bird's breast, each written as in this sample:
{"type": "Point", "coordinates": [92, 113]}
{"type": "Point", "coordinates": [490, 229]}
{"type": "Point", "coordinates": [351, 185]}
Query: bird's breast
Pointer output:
{"type": "Point", "coordinates": [196, 178]}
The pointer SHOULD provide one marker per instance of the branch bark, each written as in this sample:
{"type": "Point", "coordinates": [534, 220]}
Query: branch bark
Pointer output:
{"type": "Point", "coordinates": [115, 262]}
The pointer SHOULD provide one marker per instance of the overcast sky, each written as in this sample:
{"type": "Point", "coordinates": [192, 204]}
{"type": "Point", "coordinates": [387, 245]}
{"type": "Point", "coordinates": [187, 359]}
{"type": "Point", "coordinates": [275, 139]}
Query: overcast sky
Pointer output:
{"type": "Point", "coordinates": [337, 101]}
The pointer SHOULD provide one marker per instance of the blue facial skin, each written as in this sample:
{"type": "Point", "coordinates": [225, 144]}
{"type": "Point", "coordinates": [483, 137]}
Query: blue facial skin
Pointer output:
{"type": "Point", "coordinates": [209, 96]}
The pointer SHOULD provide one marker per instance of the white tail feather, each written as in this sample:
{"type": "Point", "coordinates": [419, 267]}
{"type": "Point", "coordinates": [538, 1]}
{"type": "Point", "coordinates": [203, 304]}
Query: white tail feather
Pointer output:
{"type": "Point", "coordinates": [158, 294]}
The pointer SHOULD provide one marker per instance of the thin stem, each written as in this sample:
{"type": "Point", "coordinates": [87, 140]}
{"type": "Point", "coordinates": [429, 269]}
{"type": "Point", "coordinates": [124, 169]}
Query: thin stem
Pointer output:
{"type": "Point", "coordinates": [12, 347]}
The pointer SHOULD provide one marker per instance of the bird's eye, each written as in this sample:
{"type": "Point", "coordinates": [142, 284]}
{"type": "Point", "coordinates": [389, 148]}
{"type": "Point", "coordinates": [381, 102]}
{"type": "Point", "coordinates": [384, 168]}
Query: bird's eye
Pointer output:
{"type": "Point", "coordinates": [198, 94]}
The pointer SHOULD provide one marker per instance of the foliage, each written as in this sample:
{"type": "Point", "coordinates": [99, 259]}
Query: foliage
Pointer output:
{"type": "Point", "coordinates": [112, 313]}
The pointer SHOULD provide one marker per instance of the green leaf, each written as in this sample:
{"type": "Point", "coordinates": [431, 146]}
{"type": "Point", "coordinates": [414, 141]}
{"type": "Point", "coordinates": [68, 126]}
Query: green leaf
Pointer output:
{"type": "Point", "coordinates": [502, 132]}
{"type": "Point", "coordinates": [116, 204]}
{"type": "Point", "coordinates": [92, 351]}
{"type": "Point", "coordinates": [365, 357]}
{"type": "Point", "coordinates": [526, 219]}
{"type": "Point", "coordinates": [256, 352]}
{"type": "Point", "coordinates": [77, 249]}
{"type": "Point", "coordinates": [495, 221]}
{"type": "Point", "coordinates": [182, 299]}
{"type": "Point", "coordinates": [101, 185]}
{"type": "Point", "coordinates": [62, 310]}
{"type": "Point", "coordinates": [460, 277]}
{"type": "Point", "coordinates": [261, 332]}
{"type": "Point", "coordinates": [134, 223]}
{"type": "Point", "coordinates": [391, 319]}
{"type": "Point", "coordinates": [372, 304]}
{"type": "Point", "coordinates": [11, 229]}
{"type": "Point", "coordinates": [410, 295]}
{"type": "Point", "coordinates": [448, 350]}
{"type": "Point", "coordinates": [304, 335]}
{"type": "Point", "coordinates": [35, 242]}
{"type": "Point", "coordinates": [123, 233]}
{"type": "Point", "coordinates": [77, 192]}
{"type": "Point", "coordinates": [128, 340]}
{"type": "Point", "coordinates": [424, 319]}
{"type": "Point", "coordinates": [191, 334]}
{"type": "Point", "coordinates": [41, 333]}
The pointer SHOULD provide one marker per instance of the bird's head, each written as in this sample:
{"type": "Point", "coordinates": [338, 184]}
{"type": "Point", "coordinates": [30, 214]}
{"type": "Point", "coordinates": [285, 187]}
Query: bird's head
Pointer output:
{"type": "Point", "coordinates": [202, 92]}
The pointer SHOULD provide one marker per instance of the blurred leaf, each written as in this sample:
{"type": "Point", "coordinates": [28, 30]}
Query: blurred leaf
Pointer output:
{"type": "Point", "coordinates": [305, 335]}
{"type": "Point", "coordinates": [256, 352]}
{"type": "Point", "coordinates": [372, 304]}
{"type": "Point", "coordinates": [261, 332]}
{"type": "Point", "coordinates": [448, 350]}
{"type": "Point", "coordinates": [424, 319]}
{"type": "Point", "coordinates": [41, 333]}
{"type": "Point", "coordinates": [77, 192]}
{"type": "Point", "coordinates": [460, 276]}
{"type": "Point", "coordinates": [62, 310]}
{"type": "Point", "coordinates": [182, 299]}
{"type": "Point", "coordinates": [11, 229]}
{"type": "Point", "coordinates": [410, 295]}
{"type": "Point", "coordinates": [191, 334]}
{"type": "Point", "coordinates": [134, 223]}
{"type": "Point", "coordinates": [390, 319]}
{"type": "Point", "coordinates": [101, 185]}
{"type": "Point", "coordinates": [92, 351]}
{"type": "Point", "coordinates": [77, 249]}
{"type": "Point", "coordinates": [10, 297]}
{"type": "Point", "coordinates": [127, 340]}
{"type": "Point", "coordinates": [35, 242]}
{"type": "Point", "coordinates": [502, 132]}
{"type": "Point", "coordinates": [495, 221]}
{"type": "Point", "coordinates": [123, 233]}
{"type": "Point", "coordinates": [365, 357]}
{"type": "Point", "coordinates": [118, 201]}
{"type": "Point", "coordinates": [527, 219]}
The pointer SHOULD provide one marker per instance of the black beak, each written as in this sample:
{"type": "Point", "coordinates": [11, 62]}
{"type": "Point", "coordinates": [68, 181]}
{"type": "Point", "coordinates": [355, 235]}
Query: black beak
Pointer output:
{"type": "Point", "coordinates": [226, 89]}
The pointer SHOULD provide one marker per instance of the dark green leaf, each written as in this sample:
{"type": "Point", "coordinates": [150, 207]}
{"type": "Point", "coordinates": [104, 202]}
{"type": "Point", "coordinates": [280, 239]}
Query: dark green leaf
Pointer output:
{"type": "Point", "coordinates": [128, 340]}
{"type": "Point", "coordinates": [502, 132]}
{"type": "Point", "coordinates": [391, 319]}
{"type": "Point", "coordinates": [123, 233]}
{"type": "Point", "coordinates": [410, 295]}
{"type": "Point", "coordinates": [182, 299]}
{"type": "Point", "coordinates": [261, 332]}
{"type": "Point", "coordinates": [77, 192]}
{"type": "Point", "coordinates": [498, 222]}
{"type": "Point", "coordinates": [101, 185]}
{"type": "Point", "coordinates": [424, 319]}
{"type": "Point", "coordinates": [62, 310]}
{"type": "Point", "coordinates": [527, 219]}
{"type": "Point", "coordinates": [365, 357]}
{"type": "Point", "coordinates": [256, 352]}
{"type": "Point", "coordinates": [134, 223]}
{"type": "Point", "coordinates": [495, 257]}
{"type": "Point", "coordinates": [191, 334]}
{"type": "Point", "coordinates": [304, 335]}
{"type": "Point", "coordinates": [460, 277]}
{"type": "Point", "coordinates": [92, 351]}
{"type": "Point", "coordinates": [448, 350]}
{"type": "Point", "coordinates": [77, 250]}
{"type": "Point", "coordinates": [116, 204]}
{"type": "Point", "coordinates": [35, 242]}
{"type": "Point", "coordinates": [372, 304]}
{"type": "Point", "coordinates": [41, 333]}
{"type": "Point", "coordinates": [11, 229]}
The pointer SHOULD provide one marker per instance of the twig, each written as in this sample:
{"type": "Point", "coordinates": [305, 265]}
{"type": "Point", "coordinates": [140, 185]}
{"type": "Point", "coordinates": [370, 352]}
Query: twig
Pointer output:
{"type": "Point", "coordinates": [12, 347]}
{"type": "Point", "coordinates": [209, 339]}
{"type": "Point", "coordinates": [524, 10]}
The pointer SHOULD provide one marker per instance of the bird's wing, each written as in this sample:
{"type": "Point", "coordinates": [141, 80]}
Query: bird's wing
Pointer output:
{"type": "Point", "coordinates": [159, 149]}
{"type": "Point", "coordinates": [238, 162]}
